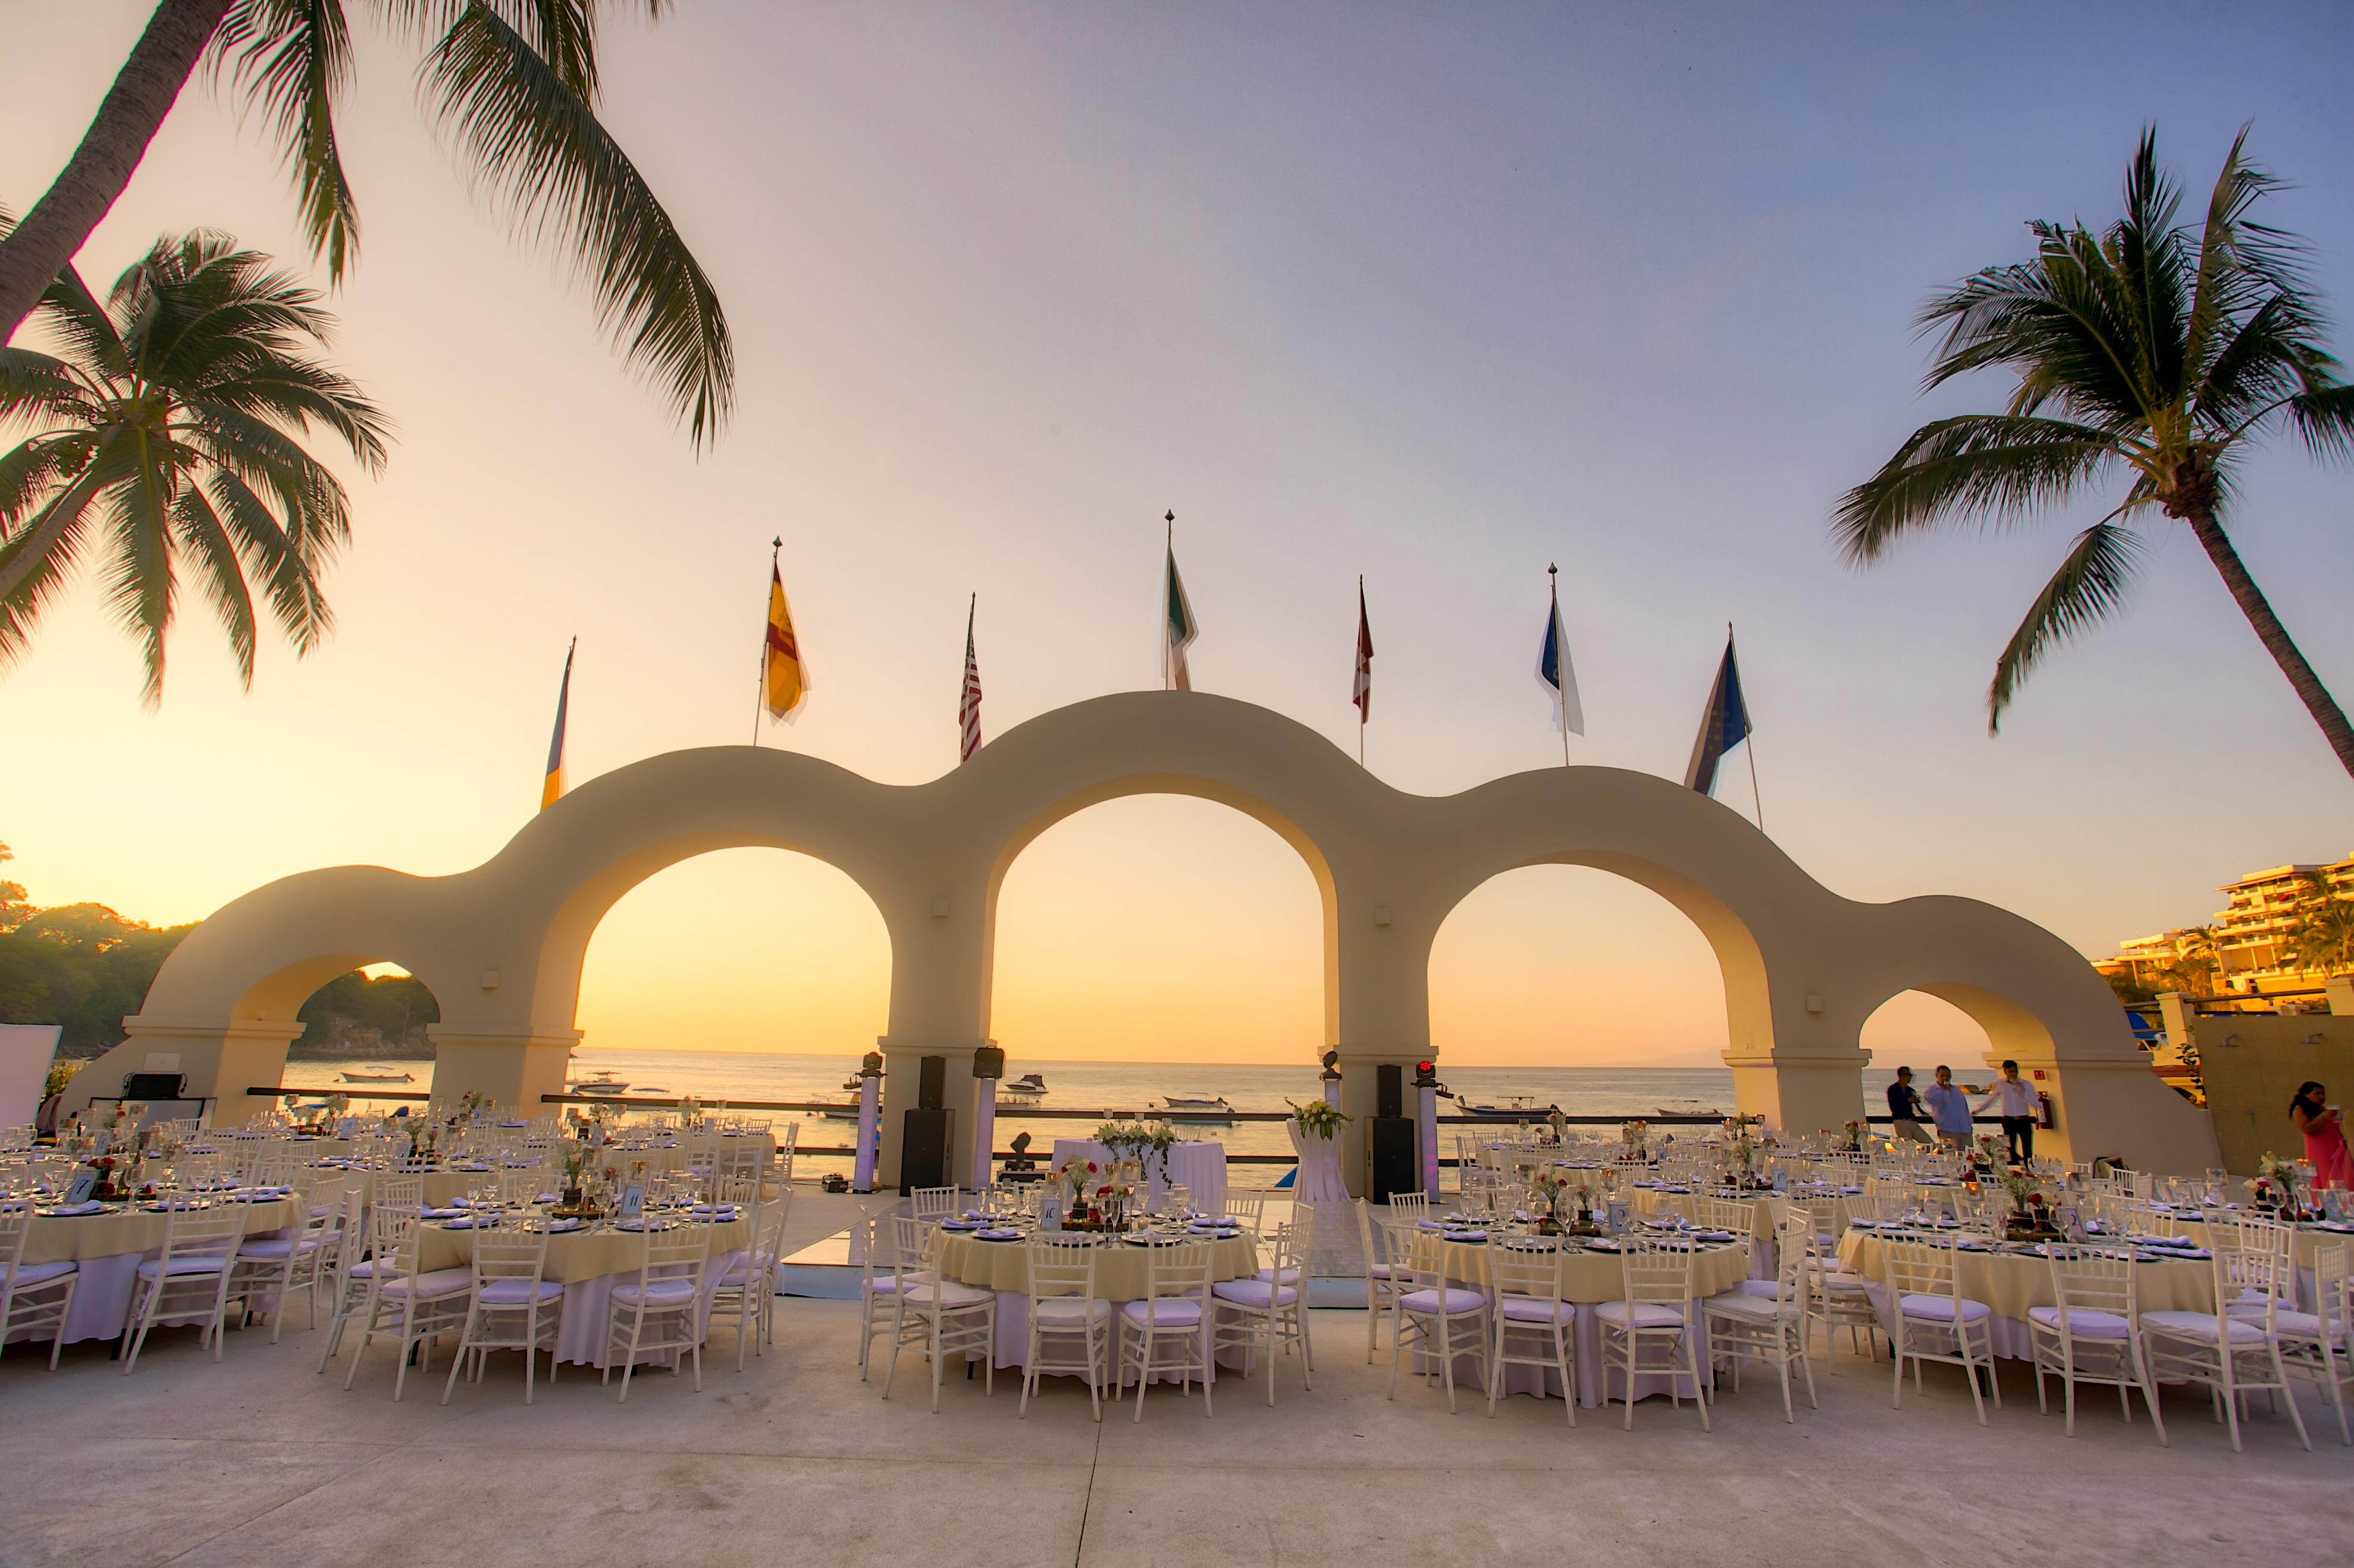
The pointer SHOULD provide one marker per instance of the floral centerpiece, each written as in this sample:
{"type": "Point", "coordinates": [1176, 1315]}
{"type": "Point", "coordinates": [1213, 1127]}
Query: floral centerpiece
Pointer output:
{"type": "Point", "coordinates": [1857, 1129]}
{"type": "Point", "coordinates": [2274, 1186]}
{"type": "Point", "coordinates": [690, 1112]}
{"type": "Point", "coordinates": [1635, 1136]}
{"type": "Point", "coordinates": [1319, 1120]}
{"type": "Point", "coordinates": [1080, 1177]}
{"type": "Point", "coordinates": [2031, 1215]}
{"type": "Point", "coordinates": [1131, 1139]}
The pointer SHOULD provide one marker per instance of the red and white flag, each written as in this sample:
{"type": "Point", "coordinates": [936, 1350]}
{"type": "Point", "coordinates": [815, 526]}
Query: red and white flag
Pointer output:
{"type": "Point", "coordinates": [969, 705]}
{"type": "Point", "coordinates": [1363, 694]}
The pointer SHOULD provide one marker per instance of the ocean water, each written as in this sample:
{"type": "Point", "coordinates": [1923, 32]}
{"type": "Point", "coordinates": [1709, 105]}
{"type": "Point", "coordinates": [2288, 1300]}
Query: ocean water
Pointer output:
{"type": "Point", "coordinates": [1134, 1086]}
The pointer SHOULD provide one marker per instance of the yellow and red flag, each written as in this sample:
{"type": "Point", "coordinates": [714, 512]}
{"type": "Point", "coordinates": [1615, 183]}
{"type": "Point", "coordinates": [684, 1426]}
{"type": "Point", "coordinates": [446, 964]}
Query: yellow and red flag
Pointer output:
{"type": "Point", "coordinates": [785, 684]}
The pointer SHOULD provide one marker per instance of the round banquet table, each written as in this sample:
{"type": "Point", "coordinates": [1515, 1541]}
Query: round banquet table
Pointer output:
{"type": "Point", "coordinates": [1004, 1268]}
{"type": "Point", "coordinates": [588, 1263]}
{"type": "Point", "coordinates": [1200, 1168]}
{"type": "Point", "coordinates": [109, 1247]}
{"type": "Point", "coordinates": [1589, 1280]}
{"type": "Point", "coordinates": [2011, 1283]}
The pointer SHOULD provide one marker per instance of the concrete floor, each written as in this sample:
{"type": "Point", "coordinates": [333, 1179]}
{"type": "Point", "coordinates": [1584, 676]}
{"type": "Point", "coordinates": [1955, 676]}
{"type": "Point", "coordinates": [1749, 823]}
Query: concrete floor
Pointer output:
{"type": "Point", "coordinates": [258, 1461]}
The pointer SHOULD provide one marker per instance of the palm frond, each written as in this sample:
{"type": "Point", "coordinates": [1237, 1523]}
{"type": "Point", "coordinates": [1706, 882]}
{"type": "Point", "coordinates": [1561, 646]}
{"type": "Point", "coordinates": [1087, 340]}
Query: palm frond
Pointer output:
{"type": "Point", "coordinates": [2089, 585]}
{"type": "Point", "coordinates": [219, 573]}
{"type": "Point", "coordinates": [295, 56]}
{"type": "Point", "coordinates": [48, 547]}
{"type": "Point", "coordinates": [540, 143]}
{"type": "Point", "coordinates": [296, 600]}
{"type": "Point", "coordinates": [1991, 466]}
{"type": "Point", "coordinates": [141, 588]}
{"type": "Point", "coordinates": [2324, 418]}
{"type": "Point", "coordinates": [38, 387]}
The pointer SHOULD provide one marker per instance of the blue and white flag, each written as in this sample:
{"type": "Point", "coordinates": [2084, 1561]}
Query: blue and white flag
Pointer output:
{"type": "Point", "coordinates": [1723, 726]}
{"type": "Point", "coordinates": [1554, 675]}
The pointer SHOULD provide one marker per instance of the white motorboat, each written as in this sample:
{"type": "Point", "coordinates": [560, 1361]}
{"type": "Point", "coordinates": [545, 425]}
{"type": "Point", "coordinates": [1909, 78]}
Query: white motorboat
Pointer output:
{"type": "Point", "coordinates": [1194, 1107]}
{"type": "Point", "coordinates": [1512, 1107]}
{"type": "Point", "coordinates": [378, 1077]}
{"type": "Point", "coordinates": [602, 1083]}
{"type": "Point", "coordinates": [1027, 1090]}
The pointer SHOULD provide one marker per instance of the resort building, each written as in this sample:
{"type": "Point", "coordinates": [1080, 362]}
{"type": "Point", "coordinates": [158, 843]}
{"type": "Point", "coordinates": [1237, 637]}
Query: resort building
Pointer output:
{"type": "Point", "coordinates": [2250, 954]}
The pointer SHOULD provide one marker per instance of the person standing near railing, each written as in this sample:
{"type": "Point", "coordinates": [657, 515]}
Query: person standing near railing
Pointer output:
{"type": "Point", "coordinates": [1905, 1107]}
{"type": "Point", "coordinates": [1951, 1108]}
{"type": "Point", "coordinates": [2324, 1136]}
{"type": "Point", "coordinates": [2018, 1105]}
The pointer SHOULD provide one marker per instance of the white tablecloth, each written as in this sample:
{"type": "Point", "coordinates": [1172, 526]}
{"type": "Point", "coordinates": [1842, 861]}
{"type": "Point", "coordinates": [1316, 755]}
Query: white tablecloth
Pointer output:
{"type": "Point", "coordinates": [1319, 1179]}
{"type": "Point", "coordinates": [1200, 1168]}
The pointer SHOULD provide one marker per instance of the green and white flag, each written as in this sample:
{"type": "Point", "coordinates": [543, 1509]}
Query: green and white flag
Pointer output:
{"type": "Point", "coordinates": [1178, 630]}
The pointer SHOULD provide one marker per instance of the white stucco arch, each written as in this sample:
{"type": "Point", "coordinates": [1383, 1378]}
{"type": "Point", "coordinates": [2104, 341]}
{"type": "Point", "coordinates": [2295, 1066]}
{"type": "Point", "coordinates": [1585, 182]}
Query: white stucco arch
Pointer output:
{"type": "Point", "coordinates": [501, 945]}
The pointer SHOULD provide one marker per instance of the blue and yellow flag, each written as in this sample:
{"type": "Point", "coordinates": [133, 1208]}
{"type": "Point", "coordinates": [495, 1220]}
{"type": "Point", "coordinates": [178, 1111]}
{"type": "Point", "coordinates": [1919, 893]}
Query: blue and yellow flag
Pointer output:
{"type": "Point", "coordinates": [784, 673]}
{"type": "Point", "coordinates": [1723, 726]}
{"type": "Point", "coordinates": [554, 785]}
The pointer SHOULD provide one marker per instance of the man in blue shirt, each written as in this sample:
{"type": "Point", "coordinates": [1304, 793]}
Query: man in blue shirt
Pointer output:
{"type": "Point", "coordinates": [1950, 1107]}
{"type": "Point", "coordinates": [1905, 1107]}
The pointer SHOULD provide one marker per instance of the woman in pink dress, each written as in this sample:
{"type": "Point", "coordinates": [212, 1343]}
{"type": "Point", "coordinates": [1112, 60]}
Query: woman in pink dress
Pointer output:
{"type": "Point", "coordinates": [2324, 1136]}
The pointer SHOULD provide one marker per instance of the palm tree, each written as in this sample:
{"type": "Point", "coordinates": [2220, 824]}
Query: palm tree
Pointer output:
{"type": "Point", "coordinates": [516, 80]}
{"type": "Point", "coordinates": [2321, 928]}
{"type": "Point", "coordinates": [2156, 351]}
{"type": "Point", "coordinates": [167, 437]}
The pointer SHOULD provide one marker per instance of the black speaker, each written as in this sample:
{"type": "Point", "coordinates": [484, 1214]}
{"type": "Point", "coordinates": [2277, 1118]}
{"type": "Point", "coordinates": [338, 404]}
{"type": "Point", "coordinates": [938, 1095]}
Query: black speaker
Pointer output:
{"type": "Point", "coordinates": [1389, 1089]}
{"type": "Point", "coordinates": [924, 1140]}
{"type": "Point", "coordinates": [1390, 1165]}
{"type": "Point", "coordinates": [931, 1083]}
{"type": "Point", "coordinates": [154, 1085]}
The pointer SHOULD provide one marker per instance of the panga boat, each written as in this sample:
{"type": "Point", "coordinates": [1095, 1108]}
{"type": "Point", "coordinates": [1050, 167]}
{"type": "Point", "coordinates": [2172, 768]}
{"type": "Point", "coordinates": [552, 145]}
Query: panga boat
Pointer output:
{"type": "Point", "coordinates": [1512, 1107]}
{"type": "Point", "coordinates": [378, 1077]}
{"type": "Point", "coordinates": [1029, 1089]}
{"type": "Point", "coordinates": [1193, 1107]}
{"type": "Point", "coordinates": [602, 1083]}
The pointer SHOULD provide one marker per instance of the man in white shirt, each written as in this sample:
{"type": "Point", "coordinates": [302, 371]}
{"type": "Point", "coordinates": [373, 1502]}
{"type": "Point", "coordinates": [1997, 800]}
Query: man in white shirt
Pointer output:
{"type": "Point", "coordinates": [1951, 1107]}
{"type": "Point", "coordinates": [2018, 1105]}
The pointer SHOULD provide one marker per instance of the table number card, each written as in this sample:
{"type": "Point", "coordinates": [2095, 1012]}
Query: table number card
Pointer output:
{"type": "Point", "coordinates": [105, 1137]}
{"type": "Point", "coordinates": [1050, 1214]}
{"type": "Point", "coordinates": [634, 1201]}
{"type": "Point", "coordinates": [84, 1180]}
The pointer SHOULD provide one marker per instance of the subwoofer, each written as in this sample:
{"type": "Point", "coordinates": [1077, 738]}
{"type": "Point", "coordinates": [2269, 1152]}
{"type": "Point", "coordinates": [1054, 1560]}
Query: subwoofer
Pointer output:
{"type": "Point", "coordinates": [925, 1138]}
{"type": "Point", "coordinates": [1390, 1165]}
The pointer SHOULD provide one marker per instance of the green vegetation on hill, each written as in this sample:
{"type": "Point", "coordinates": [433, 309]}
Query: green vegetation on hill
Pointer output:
{"type": "Point", "coordinates": [350, 1012]}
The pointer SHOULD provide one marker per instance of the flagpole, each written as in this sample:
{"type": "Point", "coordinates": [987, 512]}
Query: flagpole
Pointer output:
{"type": "Point", "coordinates": [760, 684]}
{"type": "Point", "coordinates": [1749, 735]}
{"type": "Point", "coordinates": [1561, 681]}
{"type": "Point", "coordinates": [1168, 664]}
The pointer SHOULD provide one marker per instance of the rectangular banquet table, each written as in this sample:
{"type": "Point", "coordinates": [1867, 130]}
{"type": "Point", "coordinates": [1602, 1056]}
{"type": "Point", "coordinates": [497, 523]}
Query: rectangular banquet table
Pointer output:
{"type": "Point", "coordinates": [1587, 1280]}
{"type": "Point", "coordinates": [2010, 1283]}
{"type": "Point", "coordinates": [1003, 1268]}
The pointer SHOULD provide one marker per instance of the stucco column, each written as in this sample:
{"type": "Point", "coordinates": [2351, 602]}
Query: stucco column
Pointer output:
{"type": "Point", "coordinates": [221, 1061]}
{"type": "Point", "coordinates": [1360, 1070]}
{"type": "Point", "coordinates": [1799, 1092]}
{"type": "Point", "coordinates": [514, 1064]}
{"type": "Point", "coordinates": [902, 1076]}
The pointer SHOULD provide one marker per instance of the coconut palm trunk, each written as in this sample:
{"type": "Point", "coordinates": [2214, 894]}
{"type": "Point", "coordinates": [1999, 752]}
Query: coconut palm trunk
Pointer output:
{"type": "Point", "coordinates": [134, 107]}
{"type": "Point", "coordinates": [2273, 634]}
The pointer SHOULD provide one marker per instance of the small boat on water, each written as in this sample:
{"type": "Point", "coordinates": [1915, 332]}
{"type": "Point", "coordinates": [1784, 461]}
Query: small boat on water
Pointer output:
{"type": "Point", "coordinates": [378, 1077]}
{"type": "Point", "coordinates": [1027, 1090]}
{"type": "Point", "coordinates": [1193, 1107]}
{"type": "Point", "coordinates": [1692, 1107]}
{"type": "Point", "coordinates": [850, 1085]}
{"type": "Point", "coordinates": [1512, 1107]}
{"type": "Point", "coordinates": [602, 1083]}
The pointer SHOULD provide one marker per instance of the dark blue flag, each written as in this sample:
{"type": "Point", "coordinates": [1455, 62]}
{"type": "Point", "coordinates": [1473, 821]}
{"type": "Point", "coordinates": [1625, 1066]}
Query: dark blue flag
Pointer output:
{"type": "Point", "coordinates": [1723, 726]}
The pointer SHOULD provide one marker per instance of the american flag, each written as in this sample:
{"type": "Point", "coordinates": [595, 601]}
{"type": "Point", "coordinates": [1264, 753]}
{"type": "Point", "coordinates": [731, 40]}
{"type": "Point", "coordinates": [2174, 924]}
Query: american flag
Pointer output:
{"type": "Point", "coordinates": [969, 705]}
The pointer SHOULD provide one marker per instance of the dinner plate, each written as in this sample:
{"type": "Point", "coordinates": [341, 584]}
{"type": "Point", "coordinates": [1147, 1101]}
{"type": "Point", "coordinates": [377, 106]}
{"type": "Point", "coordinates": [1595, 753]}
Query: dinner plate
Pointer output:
{"type": "Point", "coordinates": [1467, 1235]}
{"type": "Point", "coordinates": [72, 1210]}
{"type": "Point", "coordinates": [1150, 1241]}
{"type": "Point", "coordinates": [1712, 1236]}
{"type": "Point", "coordinates": [1602, 1243]}
{"type": "Point", "coordinates": [997, 1236]}
{"type": "Point", "coordinates": [961, 1224]}
{"type": "Point", "coordinates": [557, 1227]}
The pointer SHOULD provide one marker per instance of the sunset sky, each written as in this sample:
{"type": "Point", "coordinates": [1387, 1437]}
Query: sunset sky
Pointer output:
{"type": "Point", "coordinates": [1434, 294]}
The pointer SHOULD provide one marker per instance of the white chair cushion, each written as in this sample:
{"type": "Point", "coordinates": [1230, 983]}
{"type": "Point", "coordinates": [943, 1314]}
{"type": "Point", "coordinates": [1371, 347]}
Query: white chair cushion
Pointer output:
{"type": "Point", "coordinates": [1747, 1307]}
{"type": "Point", "coordinates": [1837, 1284]}
{"type": "Point", "coordinates": [1770, 1289]}
{"type": "Point", "coordinates": [947, 1292]}
{"type": "Point", "coordinates": [1291, 1275]}
{"type": "Point", "coordinates": [272, 1247]}
{"type": "Point", "coordinates": [1940, 1309]}
{"type": "Point", "coordinates": [432, 1285]}
{"type": "Point", "coordinates": [1380, 1271]}
{"type": "Point", "coordinates": [1526, 1310]}
{"type": "Point", "coordinates": [1442, 1300]}
{"type": "Point", "coordinates": [1255, 1293]}
{"type": "Point", "coordinates": [2305, 1326]}
{"type": "Point", "coordinates": [661, 1293]}
{"type": "Point", "coordinates": [2201, 1325]}
{"type": "Point", "coordinates": [518, 1292]}
{"type": "Point", "coordinates": [1641, 1314]}
{"type": "Point", "coordinates": [2083, 1322]}
{"type": "Point", "coordinates": [153, 1267]}
{"type": "Point", "coordinates": [1163, 1312]}
{"type": "Point", "coordinates": [1068, 1313]}
{"type": "Point", "coordinates": [30, 1273]}
{"type": "Point", "coordinates": [885, 1284]}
